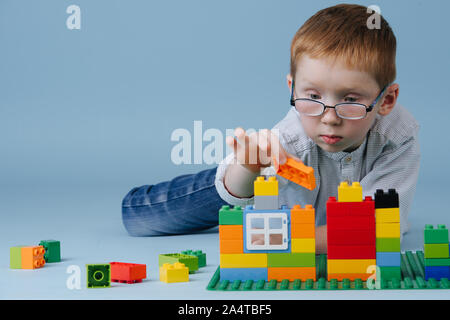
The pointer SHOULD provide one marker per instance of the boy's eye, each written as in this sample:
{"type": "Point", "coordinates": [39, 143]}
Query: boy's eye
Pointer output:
{"type": "Point", "coordinates": [351, 99]}
{"type": "Point", "coordinates": [314, 96]}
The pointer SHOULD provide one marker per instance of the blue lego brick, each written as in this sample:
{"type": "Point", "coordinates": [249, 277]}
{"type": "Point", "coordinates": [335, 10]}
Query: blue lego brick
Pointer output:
{"type": "Point", "coordinates": [284, 209]}
{"type": "Point", "coordinates": [388, 259]}
{"type": "Point", "coordinates": [437, 272]}
{"type": "Point", "coordinates": [243, 274]}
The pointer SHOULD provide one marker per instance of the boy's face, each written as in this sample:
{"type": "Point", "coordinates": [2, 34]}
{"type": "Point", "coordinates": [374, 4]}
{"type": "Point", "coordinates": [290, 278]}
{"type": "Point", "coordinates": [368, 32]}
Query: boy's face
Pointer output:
{"type": "Point", "coordinates": [331, 82]}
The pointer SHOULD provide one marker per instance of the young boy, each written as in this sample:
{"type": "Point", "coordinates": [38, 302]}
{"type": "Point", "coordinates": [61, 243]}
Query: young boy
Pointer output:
{"type": "Point", "coordinates": [345, 122]}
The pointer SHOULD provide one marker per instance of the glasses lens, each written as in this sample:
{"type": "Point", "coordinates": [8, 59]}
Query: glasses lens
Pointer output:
{"type": "Point", "coordinates": [351, 111]}
{"type": "Point", "coordinates": [308, 107]}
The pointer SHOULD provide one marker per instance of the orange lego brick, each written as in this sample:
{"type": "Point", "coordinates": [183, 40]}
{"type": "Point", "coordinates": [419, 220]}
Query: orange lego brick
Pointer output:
{"type": "Point", "coordinates": [303, 230]}
{"type": "Point", "coordinates": [350, 276]}
{"type": "Point", "coordinates": [303, 215]}
{"type": "Point", "coordinates": [33, 257]}
{"type": "Point", "coordinates": [231, 232]}
{"type": "Point", "coordinates": [297, 172]}
{"type": "Point", "coordinates": [231, 246]}
{"type": "Point", "coordinates": [291, 273]}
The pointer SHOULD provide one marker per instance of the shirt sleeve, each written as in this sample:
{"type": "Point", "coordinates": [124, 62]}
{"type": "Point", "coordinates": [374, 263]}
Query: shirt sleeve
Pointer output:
{"type": "Point", "coordinates": [396, 168]}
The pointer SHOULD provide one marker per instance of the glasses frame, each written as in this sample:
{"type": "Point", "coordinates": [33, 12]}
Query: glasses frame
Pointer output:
{"type": "Point", "coordinates": [368, 108]}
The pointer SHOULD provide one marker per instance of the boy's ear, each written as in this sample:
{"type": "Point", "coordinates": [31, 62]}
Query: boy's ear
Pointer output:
{"type": "Point", "coordinates": [389, 100]}
{"type": "Point", "coordinates": [289, 81]}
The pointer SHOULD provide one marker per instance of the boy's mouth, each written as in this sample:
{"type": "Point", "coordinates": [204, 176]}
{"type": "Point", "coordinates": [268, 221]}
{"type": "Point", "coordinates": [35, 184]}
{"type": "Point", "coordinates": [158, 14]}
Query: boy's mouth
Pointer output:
{"type": "Point", "coordinates": [330, 139]}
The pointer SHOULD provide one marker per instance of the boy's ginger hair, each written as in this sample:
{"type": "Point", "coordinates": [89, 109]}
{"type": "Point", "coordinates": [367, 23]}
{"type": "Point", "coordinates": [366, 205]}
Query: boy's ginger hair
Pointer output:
{"type": "Point", "coordinates": [341, 32]}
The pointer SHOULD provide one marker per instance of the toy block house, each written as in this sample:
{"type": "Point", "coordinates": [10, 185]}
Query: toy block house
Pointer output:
{"type": "Point", "coordinates": [265, 241]}
{"type": "Point", "coordinates": [436, 247]}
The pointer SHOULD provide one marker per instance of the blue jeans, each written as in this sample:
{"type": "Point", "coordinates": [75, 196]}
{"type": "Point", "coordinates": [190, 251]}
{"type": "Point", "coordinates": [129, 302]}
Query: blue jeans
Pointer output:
{"type": "Point", "coordinates": [186, 204]}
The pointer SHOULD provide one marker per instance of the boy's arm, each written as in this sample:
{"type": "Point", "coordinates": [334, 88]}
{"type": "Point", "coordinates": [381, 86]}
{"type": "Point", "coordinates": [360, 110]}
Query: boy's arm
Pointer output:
{"type": "Point", "coordinates": [397, 168]}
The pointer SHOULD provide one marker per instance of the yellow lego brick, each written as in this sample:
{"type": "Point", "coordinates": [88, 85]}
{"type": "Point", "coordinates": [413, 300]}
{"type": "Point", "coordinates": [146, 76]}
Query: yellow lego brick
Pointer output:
{"type": "Point", "coordinates": [243, 260]}
{"type": "Point", "coordinates": [349, 265]}
{"type": "Point", "coordinates": [171, 273]}
{"type": "Point", "coordinates": [387, 230]}
{"type": "Point", "coordinates": [350, 194]}
{"type": "Point", "coordinates": [264, 187]}
{"type": "Point", "coordinates": [303, 245]}
{"type": "Point", "coordinates": [387, 215]}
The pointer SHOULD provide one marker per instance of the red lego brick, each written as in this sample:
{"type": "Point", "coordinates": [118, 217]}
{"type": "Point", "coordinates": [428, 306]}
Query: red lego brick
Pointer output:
{"type": "Point", "coordinates": [350, 237]}
{"type": "Point", "coordinates": [343, 209]}
{"type": "Point", "coordinates": [128, 272]}
{"type": "Point", "coordinates": [297, 172]}
{"type": "Point", "coordinates": [351, 223]}
{"type": "Point", "coordinates": [351, 252]}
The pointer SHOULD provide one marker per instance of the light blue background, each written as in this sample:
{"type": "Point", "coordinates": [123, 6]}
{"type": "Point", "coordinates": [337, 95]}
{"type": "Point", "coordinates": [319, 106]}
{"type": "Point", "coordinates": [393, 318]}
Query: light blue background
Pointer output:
{"type": "Point", "coordinates": [85, 115]}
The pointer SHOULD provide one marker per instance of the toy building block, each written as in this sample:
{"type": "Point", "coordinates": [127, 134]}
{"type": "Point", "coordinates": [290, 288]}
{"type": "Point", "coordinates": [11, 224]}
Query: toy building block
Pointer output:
{"type": "Point", "coordinates": [437, 262]}
{"type": "Point", "coordinates": [388, 259]}
{"type": "Point", "coordinates": [128, 272]}
{"type": "Point", "coordinates": [98, 275]}
{"type": "Point", "coordinates": [231, 232]}
{"type": "Point", "coordinates": [351, 223]}
{"type": "Point", "coordinates": [243, 274]}
{"type": "Point", "coordinates": [33, 257]}
{"type": "Point", "coordinates": [297, 172]}
{"type": "Point", "coordinates": [171, 273]}
{"type": "Point", "coordinates": [52, 250]}
{"type": "Point", "coordinates": [266, 202]}
{"type": "Point", "coordinates": [351, 193]}
{"type": "Point", "coordinates": [230, 216]}
{"type": "Point", "coordinates": [387, 215]}
{"type": "Point", "coordinates": [354, 209]}
{"type": "Point", "coordinates": [349, 276]}
{"type": "Point", "coordinates": [388, 244]}
{"type": "Point", "coordinates": [388, 273]}
{"type": "Point", "coordinates": [295, 259]}
{"type": "Point", "coordinates": [245, 260]}
{"type": "Point", "coordinates": [437, 272]}
{"type": "Point", "coordinates": [350, 237]}
{"type": "Point", "coordinates": [263, 187]}
{"type": "Point", "coordinates": [191, 262]}
{"type": "Point", "coordinates": [387, 230]}
{"type": "Point", "coordinates": [303, 215]}
{"type": "Point", "coordinates": [439, 235]}
{"type": "Point", "coordinates": [303, 230]}
{"type": "Point", "coordinates": [386, 199]}
{"type": "Point", "coordinates": [291, 273]}
{"type": "Point", "coordinates": [349, 265]}
{"type": "Point", "coordinates": [303, 245]}
{"type": "Point", "coordinates": [436, 250]}
{"type": "Point", "coordinates": [351, 252]}
{"type": "Point", "coordinates": [15, 257]}
{"type": "Point", "coordinates": [199, 254]}
{"type": "Point", "coordinates": [231, 246]}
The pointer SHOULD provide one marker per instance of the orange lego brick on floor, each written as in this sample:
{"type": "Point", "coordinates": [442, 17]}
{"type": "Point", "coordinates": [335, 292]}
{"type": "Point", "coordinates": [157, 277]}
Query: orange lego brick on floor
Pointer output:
{"type": "Point", "coordinates": [33, 257]}
{"type": "Point", "coordinates": [291, 273]}
{"type": "Point", "coordinates": [303, 230]}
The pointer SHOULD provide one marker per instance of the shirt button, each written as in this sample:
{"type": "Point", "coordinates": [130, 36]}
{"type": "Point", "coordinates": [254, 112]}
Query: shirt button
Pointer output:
{"type": "Point", "coordinates": [348, 159]}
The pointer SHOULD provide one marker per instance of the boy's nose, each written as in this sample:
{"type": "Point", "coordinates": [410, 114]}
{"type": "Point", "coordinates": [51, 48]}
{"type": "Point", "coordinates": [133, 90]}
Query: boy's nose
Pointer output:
{"type": "Point", "coordinates": [330, 117]}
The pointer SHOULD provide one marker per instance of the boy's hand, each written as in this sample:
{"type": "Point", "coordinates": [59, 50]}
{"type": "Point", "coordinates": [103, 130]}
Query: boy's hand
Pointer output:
{"type": "Point", "coordinates": [257, 150]}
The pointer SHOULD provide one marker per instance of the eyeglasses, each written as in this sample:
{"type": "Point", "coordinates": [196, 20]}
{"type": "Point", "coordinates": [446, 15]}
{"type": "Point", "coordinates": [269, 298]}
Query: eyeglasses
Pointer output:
{"type": "Point", "coordinates": [345, 110]}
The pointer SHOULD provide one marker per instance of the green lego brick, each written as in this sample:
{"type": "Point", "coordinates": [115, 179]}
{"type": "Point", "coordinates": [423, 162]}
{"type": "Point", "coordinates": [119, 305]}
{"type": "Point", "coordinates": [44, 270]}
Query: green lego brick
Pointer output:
{"type": "Point", "coordinates": [15, 257]}
{"type": "Point", "coordinates": [437, 262]}
{"type": "Point", "coordinates": [436, 250]}
{"type": "Point", "coordinates": [291, 259]}
{"type": "Point", "coordinates": [387, 244]}
{"type": "Point", "coordinates": [98, 275]}
{"type": "Point", "coordinates": [230, 216]}
{"type": "Point", "coordinates": [439, 235]}
{"type": "Point", "coordinates": [189, 261]}
{"type": "Point", "coordinates": [412, 271]}
{"type": "Point", "coordinates": [199, 254]}
{"type": "Point", "coordinates": [52, 250]}
{"type": "Point", "coordinates": [389, 273]}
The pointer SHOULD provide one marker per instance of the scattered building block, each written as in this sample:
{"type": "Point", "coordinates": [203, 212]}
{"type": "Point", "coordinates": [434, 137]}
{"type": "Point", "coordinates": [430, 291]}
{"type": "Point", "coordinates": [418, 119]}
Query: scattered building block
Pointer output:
{"type": "Point", "coordinates": [228, 215]}
{"type": "Point", "coordinates": [291, 259]}
{"type": "Point", "coordinates": [191, 262]}
{"type": "Point", "coordinates": [439, 235]}
{"type": "Point", "coordinates": [32, 257]}
{"type": "Point", "coordinates": [98, 275]}
{"type": "Point", "coordinates": [303, 245]}
{"type": "Point", "coordinates": [387, 199]}
{"type": "Point", "coordinates": [171, 273]}
{"type": "Point", "coordinates": [199, 254]}
{"type": "Point", "coordinates": [351, 193]}
{"type": "Point", "coordinates": [297, 172]}
{"type": "Point", "coordinates": [128, 272]}
{"type": "Point", "coordinates": [245, 260]}
{"type": "Point", "coordinates": [263, 187]}
{"type": "Point", "coordinates": [291, 273]}
{"type": "Point", "coordinates": [243, 274]}
{"type": "Point", "coordinates": [436, 250]}
{"type": "Point", "coordinates": [15, 257]}
{"type": "Point", "coordinates": [52, 250]}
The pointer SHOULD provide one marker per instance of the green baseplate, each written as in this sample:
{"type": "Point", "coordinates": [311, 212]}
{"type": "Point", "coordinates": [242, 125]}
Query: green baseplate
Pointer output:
{"type": "Point", "coordinates": [412, 268]}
